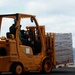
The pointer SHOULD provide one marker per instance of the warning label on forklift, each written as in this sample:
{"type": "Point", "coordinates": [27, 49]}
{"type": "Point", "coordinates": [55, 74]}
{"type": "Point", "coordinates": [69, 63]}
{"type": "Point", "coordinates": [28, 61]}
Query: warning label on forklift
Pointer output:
{"type": "Point", "coordinates": [27, 50]}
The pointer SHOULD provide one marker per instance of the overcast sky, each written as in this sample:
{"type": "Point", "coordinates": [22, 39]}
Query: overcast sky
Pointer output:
{"type": "Point", "coordinates": [57, 15]}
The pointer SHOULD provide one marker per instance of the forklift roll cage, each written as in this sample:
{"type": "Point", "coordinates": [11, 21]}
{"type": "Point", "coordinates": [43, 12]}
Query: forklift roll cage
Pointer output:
{"type": "Point", "coordinates": [18, 17]}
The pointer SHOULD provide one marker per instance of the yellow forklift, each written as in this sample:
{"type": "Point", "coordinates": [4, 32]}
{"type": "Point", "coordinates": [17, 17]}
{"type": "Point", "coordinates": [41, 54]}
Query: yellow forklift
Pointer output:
{"type": "Point", "coordinates": [18, 57]}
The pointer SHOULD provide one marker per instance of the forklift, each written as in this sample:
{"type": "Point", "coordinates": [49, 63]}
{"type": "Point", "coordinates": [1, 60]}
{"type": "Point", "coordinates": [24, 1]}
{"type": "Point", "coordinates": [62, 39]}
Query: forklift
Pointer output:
{"type": "Point", "coordinates": [17, 57]}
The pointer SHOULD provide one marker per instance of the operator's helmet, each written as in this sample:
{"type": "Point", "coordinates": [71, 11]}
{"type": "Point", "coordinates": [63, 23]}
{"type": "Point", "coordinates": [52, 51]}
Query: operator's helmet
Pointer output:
{"type": "Point", "coordinates": [15, 20]}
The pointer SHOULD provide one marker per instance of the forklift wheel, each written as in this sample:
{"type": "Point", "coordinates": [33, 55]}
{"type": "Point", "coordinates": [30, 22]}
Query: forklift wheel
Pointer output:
{"type": "Point", "coordinates": [0, 73]}
{"type": "Point", "coordinates": [17, 69]}
{"type": "Point", "coordinates": [47, 66]}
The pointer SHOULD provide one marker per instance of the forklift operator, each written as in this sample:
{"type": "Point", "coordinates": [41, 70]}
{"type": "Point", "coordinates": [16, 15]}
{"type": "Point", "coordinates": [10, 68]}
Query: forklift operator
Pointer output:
{"type": "Point", "coordinates": [13, 28]}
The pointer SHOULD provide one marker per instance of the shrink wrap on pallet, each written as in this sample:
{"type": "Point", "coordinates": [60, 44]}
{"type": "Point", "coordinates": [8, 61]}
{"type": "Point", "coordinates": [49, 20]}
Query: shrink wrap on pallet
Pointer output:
{"type": "Point", "coordinates": [64, 49]}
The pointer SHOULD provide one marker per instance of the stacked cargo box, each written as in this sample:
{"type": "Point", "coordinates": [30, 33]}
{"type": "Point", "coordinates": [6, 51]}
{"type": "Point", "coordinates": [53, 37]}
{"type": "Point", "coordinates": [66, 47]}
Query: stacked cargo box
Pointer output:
{"type": "Point", "coordinates": [64, 49]}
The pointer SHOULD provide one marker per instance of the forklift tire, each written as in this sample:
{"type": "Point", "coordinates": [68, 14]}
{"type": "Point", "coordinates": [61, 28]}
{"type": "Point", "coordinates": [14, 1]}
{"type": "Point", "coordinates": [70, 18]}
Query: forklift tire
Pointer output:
{"type": "Point", "coordinates": [47, 66]}
{"type": "Point", "coordinates": [0, 73]}
{"type": "Point", "coordinates": [17, 69]}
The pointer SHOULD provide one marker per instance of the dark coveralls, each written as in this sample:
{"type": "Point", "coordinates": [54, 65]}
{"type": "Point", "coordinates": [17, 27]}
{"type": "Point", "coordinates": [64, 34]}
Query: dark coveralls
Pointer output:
{"type": "Point", "coordinates": [12, 29]}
